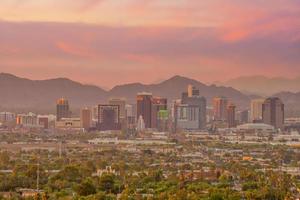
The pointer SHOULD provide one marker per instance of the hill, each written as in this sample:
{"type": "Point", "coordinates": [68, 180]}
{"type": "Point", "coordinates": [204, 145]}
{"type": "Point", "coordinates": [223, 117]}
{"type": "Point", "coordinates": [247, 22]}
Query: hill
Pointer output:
{"type": "Point", "coordinates": [262, 85]}
{"type": "Point", "coordinates": [22, 93]}
{"type": "Point", "coordinates": [173, 87]}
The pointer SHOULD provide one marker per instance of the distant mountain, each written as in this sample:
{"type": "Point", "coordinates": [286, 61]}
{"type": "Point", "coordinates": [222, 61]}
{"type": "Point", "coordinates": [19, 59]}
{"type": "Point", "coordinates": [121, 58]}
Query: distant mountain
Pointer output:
{"type": "Point", "coordinates": [21, 93]}
{"type": "Point", "coordinates": [173, 87]}
{"type": "Point", "coordinates": [262, 85]}
{"type": "Point", "coordinates": [291, 101]}
{"type": "Point", "coordinates": [18, 93]}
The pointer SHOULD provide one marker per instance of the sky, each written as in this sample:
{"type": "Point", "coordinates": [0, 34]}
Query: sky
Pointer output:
{"type": "Point", "coordinates": [111, 42]}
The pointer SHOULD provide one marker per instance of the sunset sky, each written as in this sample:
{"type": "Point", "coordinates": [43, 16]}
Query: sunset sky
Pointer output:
{"type": "Point", "coordinates": [110, 42]}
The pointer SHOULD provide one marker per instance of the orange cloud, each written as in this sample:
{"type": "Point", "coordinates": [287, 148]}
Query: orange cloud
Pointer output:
{"type": "Point", "coordinates": [89, 4]}
{"type": "Point", "coordinates": [74, 50]}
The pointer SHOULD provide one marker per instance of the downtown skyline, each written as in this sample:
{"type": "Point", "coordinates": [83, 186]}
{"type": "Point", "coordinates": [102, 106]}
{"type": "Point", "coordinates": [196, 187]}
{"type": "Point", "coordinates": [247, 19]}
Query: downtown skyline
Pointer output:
{"type": "Point", "coordinates": [107, 43]}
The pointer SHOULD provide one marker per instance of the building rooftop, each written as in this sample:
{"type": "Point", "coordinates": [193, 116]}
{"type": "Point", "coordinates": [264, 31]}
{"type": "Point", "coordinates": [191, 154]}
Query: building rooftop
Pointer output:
{"type": "Point", "coordinates": [260, 126]}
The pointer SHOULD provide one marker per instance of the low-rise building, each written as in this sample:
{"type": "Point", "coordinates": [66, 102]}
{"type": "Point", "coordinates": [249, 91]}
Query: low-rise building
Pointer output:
{"type": "Point", "coordinates": [68, 123]}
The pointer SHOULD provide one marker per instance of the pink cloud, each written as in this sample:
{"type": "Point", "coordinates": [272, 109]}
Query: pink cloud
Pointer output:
{"type": "Point", "coordinates": [87, 5]}
{"type": "Point", "coordinates": [74, 50]}
{"type": "Point", "coordinates": [146, 59]}
{"type": "Point", "coordinates": [110, 55]}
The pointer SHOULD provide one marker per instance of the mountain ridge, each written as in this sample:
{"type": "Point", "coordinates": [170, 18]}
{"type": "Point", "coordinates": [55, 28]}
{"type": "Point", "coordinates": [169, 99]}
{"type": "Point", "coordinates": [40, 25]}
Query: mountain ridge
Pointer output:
{"type": "Point", "coordinates": [262, 85]}
{"type": "Point", "coordinates": [26, 93]}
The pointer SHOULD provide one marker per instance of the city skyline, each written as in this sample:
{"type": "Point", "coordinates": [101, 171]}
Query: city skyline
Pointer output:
{"type": "Point", "coordinates": [132, 38]}
{"type": "Point", "coordinates": [149, 99]}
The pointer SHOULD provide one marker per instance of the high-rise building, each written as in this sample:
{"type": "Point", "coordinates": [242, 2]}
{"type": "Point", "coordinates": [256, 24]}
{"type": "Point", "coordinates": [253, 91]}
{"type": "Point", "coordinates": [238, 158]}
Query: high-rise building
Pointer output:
{"type": "Point", "coordinates": [158, 104]}
{"type": "Point", "coordinates": [163, 120]}
{"type": "Point", "coordinates": [273, 112]}
{"type": "Point", "coordinates": [130, 117]}
{"type": "Point", "coordinates": [187, 117]}
{"type": "Point", "coordinates": [86, 118]}
{"type": "Point", "coordinates": [190, 112]}
{"type": "Point", "coordinates": [109, 117]}
{"type": "Point", "coordinates": [62, 109]}
{"type": "Point", "coordinates": [220, 108]}
{"type": "Point", "coordinates": [144, 107]}
{"type": "Point", "coordinates": [192, 91]}
{"type": "Point", "coordinates": [244, 117]}
{"type": "Point", "coordinates": [121, 103]}
{"type": "Point", "coordinates": [231, 115]}
{"type": "Point", "coordinates": [256, 109]}
{"type": "Point", "coordinates": [129, 110]}
{"type": "Point", "coordinates": [95, 113]}
{"type": "Point", "coordinates": [43, 121]}
{"type": "Point", "coordinates": [199, 103]}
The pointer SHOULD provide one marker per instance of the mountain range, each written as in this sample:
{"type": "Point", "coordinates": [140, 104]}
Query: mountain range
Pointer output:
{"type": "Point", "coordinates": [264, 86]}
{"type": "Point", "coordinates": [22, 93]}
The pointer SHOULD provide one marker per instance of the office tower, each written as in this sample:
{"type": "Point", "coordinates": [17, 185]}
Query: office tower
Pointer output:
{"type": "Point", "coordinates": [129, 110]}
{"type": "Point", "coordinates": [198, 103]}
{"type": "Point", "coordinates": [43, 121]}
{"type": "Point", "coordinates": [95, 113]}
{"type": "Point", "coordinates": [256, 109]}
{"type": "Point", "coordinates": [192, 91]}
{"type": "Point", "coordinates": [108, 117]}
{"type": "Point", "coordinates": [231, 115]}
{"type": "Point", "coordinates": [130, 117]}
{"type": "Point", "coordinates": [163, 120]}
{"type": "Point", "coordinates": [158, 104]}
{"type": "Point", "coordinates": [86, 118]}
{"type": "Point", "coordinates": [244, 116]}
{"type": "Point", "coordinates": [220, 108]}
{"type": "Point", "coordinates": [144, 107]}
{"type": "Point", "coordinates": [190, 112]}
{"type": "Point", "coordinates": [187, 117]}
{"type": "Point", "coordinates": [121, 103]}
{"type": "Point", "coordinates": [62, 109]}
{"type": "Point", "coordinates": [184, 95]}
{"type": "Point", "coordinates": [273, 112]}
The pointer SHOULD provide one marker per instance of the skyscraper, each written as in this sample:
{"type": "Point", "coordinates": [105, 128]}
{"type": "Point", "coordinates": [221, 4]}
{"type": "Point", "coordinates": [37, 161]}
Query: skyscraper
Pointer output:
{"type": "Point", "coordinates": [86, 118]}
{"type": "Point", "coordinates": [273, 112]}
{"type": "Point", "coordinates": [163, 120]}
{"type": "Point", "coordinates": [144, 108]}
{"type": "Point", "coordinates": [108, 117]}
{"type": "Point", "coordinates": [231, 115]}
{"type": "Point", "coordinates": [192, 91]}
{"type": "Point", "coordinates": [190, 113]}
{"type": "Point", "coordinates": [256, 109]}
{"type": "Point", "coordinates": [95, 113]}
{"type": "Point", "coordinates": [220, 108]}
{"type": "Point", "coordinates": [62, 109]}
{"type": "Point", "coordinates": [244, 116]}
{"type": "Point", "coordinates": [121, 103]}
{"type": "Point", "coordinates": [158, 104]}
{"type": "Point", "coordinates": [130, 117]}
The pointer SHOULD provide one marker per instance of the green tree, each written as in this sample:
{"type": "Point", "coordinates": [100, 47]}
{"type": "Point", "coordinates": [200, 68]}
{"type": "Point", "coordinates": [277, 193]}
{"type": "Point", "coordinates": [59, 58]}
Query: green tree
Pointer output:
{"type": "Point", "coordinates": [86, 188]}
